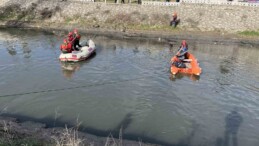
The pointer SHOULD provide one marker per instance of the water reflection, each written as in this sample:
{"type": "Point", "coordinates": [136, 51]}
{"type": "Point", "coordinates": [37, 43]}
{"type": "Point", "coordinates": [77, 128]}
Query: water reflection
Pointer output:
{"type": "Point", "coordinates": [26, 49]}
{"type": "Point", "coordinates": [233, 121]}
{"type": "Point", "coordinates": [10, 48]}
{"type": "Point", "coordinates": [13, 46]}
{"type": "Point", "coordinates": [69, 68]}
{"type": "Point", "coordinates": [135, 50]}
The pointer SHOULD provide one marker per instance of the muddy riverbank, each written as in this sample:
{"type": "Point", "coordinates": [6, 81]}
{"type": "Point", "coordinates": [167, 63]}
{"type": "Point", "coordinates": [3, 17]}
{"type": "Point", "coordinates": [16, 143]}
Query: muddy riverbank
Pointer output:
{"type": "Point", "coordinates": [161, 36]}
{"type": "Point", "coordinates": [16, 132]}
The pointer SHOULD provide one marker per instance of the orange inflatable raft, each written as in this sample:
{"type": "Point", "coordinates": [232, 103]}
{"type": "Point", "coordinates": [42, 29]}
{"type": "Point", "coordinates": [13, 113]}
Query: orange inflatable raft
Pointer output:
{"type": "Point", "coordinates": [192, 66]}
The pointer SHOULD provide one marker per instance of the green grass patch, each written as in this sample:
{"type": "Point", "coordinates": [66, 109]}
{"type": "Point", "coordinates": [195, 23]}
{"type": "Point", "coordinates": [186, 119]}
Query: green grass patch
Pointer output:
{"type": "Point", "coordinates": [153, 28]}
{"type": "Point", "coordinates": [10, 16]}
{"type": "Point", "coordinates": [9, 12]}
{"type": "Point", "coordinates": [68, 20]}
{"type": "Point", "coordinates": [249, 33]}
{"type": "Point", "coordinates": [25, 142]}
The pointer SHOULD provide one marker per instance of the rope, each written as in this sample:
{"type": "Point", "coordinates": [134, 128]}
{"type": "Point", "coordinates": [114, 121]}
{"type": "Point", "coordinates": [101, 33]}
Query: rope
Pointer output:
{"type": "Point", "coordinates": [70, 88]}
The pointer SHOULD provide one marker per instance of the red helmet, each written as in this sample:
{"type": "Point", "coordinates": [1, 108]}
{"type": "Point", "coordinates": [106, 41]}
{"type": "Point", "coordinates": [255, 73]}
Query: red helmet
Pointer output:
{"type": "Point", "coordinates": [75, 31]}
{"type": "Point", "coordinates": [70, 33]}
{"type": "Point", "coordinates": [65, 41]}
{"type": "Point", "coordinates": [184, 43]}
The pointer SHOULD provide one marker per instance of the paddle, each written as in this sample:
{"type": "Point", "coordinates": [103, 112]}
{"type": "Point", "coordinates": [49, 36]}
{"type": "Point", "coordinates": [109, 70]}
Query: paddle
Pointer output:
{"type": "Point", "coordinates": [187, 60]}
{"type": "Point", "coordinates": [72, 40]}
{"type": "Point", "coordinates": [177, 53]}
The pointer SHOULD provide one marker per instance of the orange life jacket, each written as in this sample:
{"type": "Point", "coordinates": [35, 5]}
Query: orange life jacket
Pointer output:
{"type": "Point", "coordinates": [67, 47]}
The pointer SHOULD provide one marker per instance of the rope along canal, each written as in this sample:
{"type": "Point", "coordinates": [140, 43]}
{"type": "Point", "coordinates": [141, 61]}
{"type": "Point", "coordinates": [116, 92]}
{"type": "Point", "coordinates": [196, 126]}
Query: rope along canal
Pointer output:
{"type": "Point", "coordinates": [71, 88]}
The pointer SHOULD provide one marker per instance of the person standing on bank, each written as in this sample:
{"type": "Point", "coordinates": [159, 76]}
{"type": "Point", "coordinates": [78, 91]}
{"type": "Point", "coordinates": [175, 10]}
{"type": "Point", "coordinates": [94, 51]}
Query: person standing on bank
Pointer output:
{"type": "Point", "coordinates": [174, 20]}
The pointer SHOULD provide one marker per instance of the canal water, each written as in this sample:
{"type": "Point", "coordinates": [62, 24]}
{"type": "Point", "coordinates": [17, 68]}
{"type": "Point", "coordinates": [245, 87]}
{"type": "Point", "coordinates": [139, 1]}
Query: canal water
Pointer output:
{"type": "Point", "coordinates": [127, 85]}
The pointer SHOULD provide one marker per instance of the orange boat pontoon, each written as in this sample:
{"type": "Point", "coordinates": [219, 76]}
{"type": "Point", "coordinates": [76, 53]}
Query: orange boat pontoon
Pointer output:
{"type": "Point", "coordinates": [192, 66]}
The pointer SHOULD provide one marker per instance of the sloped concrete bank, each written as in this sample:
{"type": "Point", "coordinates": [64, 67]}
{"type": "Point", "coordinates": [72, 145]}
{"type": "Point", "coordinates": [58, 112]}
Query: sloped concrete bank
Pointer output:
{"type": "Point", "coordinates": [199, 17]}
{"type": "Point", "coordinates": [198, 21]}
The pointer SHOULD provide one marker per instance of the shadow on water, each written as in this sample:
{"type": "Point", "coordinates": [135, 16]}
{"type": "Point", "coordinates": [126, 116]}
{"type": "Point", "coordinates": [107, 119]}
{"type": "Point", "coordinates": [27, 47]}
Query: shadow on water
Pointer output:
{"type": "Point", "coordinates": [69, 68]}
{"type": "Point", "coordinates": [181, 76]}
{"type": "Point", "coordinates": [233, 121]}
{"type": "Point", "coordinates": [229, 64]}
{"type": "Point", "coordinates": [228, 68]}
{"type": "Point", "coordinates": [124, 124]}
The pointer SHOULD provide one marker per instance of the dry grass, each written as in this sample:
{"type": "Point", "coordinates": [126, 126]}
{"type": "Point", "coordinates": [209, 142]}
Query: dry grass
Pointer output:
{"type": "Point", "coordinates": [110, 141]}
{"type": "Point", "coordinates": [9, 136]}
{"type": "Point", "coordinates": [69, 137]}
{"type": "Point", "coordinates": [64, 137]}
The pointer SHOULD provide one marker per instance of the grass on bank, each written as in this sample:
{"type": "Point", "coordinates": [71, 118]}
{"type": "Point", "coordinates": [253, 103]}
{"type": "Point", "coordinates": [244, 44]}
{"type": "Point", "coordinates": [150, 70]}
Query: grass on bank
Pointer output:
{"type": "Point", "coordinates": [9, 137]}
{"type": "Point", "coordinates": [66, 137]}
{"type": "Point", "coordinates": [153, 27]}
{"type": "Point", "coordinates": [249, 33]}
{"type": "Point", "coordinates": [18, 142]}
{"type": "Point", "coordinates": [69, 137]}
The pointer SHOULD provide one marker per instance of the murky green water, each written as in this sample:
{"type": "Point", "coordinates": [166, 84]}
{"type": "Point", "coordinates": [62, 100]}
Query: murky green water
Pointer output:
{"type": "Point", "coordinates": [128, 84]}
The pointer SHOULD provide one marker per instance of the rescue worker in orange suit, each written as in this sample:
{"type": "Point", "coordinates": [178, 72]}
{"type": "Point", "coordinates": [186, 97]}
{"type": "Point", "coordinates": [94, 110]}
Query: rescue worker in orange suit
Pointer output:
{"type": "Point", "coordinates": [181, 55]}
{"type": "Point", "coordinates": [66, 47]}
{"type": "Point", "coordinates": [70, 37]}
{"type": "Point", "coordinates": [76, 37]}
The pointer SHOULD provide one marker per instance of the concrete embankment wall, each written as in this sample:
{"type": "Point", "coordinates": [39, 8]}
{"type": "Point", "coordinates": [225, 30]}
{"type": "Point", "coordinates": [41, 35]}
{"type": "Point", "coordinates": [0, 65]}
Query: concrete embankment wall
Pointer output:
{"type": "Point", "coordinates": [201, 17]}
